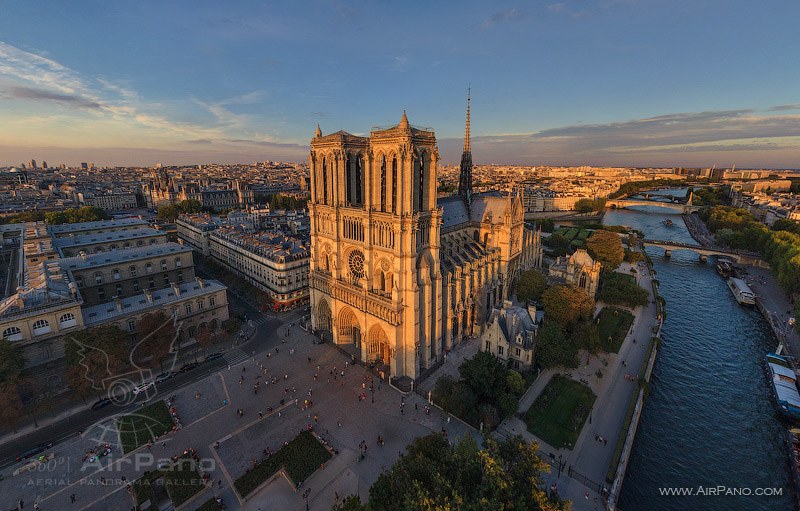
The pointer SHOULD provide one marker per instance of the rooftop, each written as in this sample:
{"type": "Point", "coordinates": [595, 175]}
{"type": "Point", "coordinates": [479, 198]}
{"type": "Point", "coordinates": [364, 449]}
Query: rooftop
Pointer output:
{"type": "Point", "coordinates": [274, 246]}
{"type": "Point", "coordinates": [102, 237]}
{"type": "Point", "coordinates": [139, 303]}
{"type": "Point", "coordinates": [100, 224]}
{"type": "Point", "coordinates": [120, 255]}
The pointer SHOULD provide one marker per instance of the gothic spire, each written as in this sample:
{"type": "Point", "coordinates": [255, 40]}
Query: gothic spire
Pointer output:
{"type": "Point", "coordinates": [465, 177]}
{"type": "Point", "coordinates": [466, 134]}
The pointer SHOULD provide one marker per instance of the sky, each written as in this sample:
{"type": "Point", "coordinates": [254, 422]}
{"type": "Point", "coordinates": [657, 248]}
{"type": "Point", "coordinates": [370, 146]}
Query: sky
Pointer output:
{"type": "Point", "coordinates": [584, 82]}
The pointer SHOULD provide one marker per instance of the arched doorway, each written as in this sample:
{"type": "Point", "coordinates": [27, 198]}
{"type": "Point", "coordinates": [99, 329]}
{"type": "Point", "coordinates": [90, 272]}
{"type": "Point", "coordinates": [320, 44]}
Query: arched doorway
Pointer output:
{"type": "Point", "coordinates": [323, 320]}
{"type": "Point", "coordinates": [349, 328]}
{"type": "Point", "coordinates": [379, 349]}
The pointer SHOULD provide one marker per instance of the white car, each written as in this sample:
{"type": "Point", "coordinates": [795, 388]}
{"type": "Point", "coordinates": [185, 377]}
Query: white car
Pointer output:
{"type": "Point", "coordinates": [142, 387]}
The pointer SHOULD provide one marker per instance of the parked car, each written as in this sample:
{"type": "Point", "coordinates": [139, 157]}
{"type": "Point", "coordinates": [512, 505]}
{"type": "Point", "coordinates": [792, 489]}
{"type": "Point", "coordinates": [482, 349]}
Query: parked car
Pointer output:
{"type": "Point", "coordinates": [30, 453]}
{"type": "Point", "coordinates": [213, 356]}
{"type": "Point", "coordinates": [188, 367]}
{"type": "Point", "coordinates": [165, 376]}
{"type": "Point", "coordinates": [142, 387]}
{"type": "Point", "coordinates": [101, 403]}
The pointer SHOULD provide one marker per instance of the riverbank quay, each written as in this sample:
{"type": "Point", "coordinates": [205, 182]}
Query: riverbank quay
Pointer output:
{"type": "Point", "coordinates": [698, 230]}
{"type": "Point", "coordinates": [776, 307]}
{"type": "Point", "coordinates": [579, 473]}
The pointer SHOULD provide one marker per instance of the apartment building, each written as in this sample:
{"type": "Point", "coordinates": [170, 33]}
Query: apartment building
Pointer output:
{"type": "Point", "coordinates": [129, 271]}
{"type": "Point", "coordinates": [194, 230]}
{"type": "Point", "coordinates": [275, 263]}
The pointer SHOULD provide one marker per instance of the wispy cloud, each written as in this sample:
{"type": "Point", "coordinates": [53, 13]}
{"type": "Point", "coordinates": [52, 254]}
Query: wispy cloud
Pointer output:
{"type": "Point", "coordinates": [503, 17]}
{"type": "Point", "coordinates": [43, 95]}
{"type": "Point", "coordinates": [663, 138]}
{"type": "Point", "coordinates": [38, 70]}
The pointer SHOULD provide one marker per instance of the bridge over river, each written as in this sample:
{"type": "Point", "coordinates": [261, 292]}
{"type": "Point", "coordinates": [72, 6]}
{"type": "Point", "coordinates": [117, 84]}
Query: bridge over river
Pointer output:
{"type": "Point", "coordinates": [740, 256]}
{"type": "Point", "coordinates": [680, 205]}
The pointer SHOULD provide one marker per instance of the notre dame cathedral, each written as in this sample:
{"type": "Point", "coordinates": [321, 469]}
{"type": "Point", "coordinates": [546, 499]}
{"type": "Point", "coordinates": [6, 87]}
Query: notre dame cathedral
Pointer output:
{"type": "Point", "coordinates": [398, 277]}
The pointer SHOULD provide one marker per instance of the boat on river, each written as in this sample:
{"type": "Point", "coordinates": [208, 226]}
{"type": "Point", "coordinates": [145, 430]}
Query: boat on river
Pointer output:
{"type": "Point", "coordinates": [741, 291]}
{"type": "Point", "coordinates": [784, 386]}
{"type": "Point", "coordinates": [725, 268]}
{"type": "Point", "coordinates": [668, 222]}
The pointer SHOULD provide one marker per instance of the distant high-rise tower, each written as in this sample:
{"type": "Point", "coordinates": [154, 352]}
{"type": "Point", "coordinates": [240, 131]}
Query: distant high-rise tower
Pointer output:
{"type": "Point", "coordinates": [84, 165]}
{"type": "Point", "coordinates": [44, 164]}
{"type": "Point", "coordinates": [32, 164]}
{"type": "Point", "coordinates": [465, 177]}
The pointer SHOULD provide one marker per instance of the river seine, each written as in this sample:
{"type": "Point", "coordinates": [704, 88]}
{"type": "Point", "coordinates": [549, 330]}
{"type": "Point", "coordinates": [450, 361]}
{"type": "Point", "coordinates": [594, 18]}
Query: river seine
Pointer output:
{"type": "Point", "coordinates": [708, 421]}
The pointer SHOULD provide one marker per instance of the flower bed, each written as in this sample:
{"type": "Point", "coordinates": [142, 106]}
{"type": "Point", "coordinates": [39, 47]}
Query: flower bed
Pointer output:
{"type": "Point", "coordinates": [299, 458]}
{"type": "Point", "coordinates": [143, 426]}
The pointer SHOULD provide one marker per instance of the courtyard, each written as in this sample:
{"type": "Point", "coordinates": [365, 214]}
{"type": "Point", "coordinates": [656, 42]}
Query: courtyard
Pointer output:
{"type": "Point", "coordinates": [234, 420]}
{"type": "Point", "coordinates": [559, 413]}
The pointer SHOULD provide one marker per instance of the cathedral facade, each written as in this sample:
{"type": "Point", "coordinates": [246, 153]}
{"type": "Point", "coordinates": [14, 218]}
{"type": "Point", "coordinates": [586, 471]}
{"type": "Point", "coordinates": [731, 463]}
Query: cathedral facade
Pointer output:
{"type": "Point", "coordinates": [398, 277]}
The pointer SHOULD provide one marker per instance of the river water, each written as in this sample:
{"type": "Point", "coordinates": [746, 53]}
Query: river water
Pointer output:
{"type": "Point", "coordinates": [708, 420]}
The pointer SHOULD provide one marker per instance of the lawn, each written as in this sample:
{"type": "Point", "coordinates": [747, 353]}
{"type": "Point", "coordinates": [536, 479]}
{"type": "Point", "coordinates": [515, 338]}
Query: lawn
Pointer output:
{"type": "Point", "coordinates": [143, 426]}
{"type": "Point", "coordinates": [299, 458]}
{"type": "Point", "coordinates": [182, 481]}
{"type": "Point", "coordinates": [613, 327]}
{"type": "Point", "coordinates": [558, 414]}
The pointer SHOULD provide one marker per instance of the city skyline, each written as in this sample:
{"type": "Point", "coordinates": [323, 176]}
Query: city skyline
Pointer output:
{"type": "Point", "coordinates": [563, 83]}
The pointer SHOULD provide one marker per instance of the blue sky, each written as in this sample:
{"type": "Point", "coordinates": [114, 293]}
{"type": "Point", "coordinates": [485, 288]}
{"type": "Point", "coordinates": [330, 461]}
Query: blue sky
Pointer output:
{"type": "Point", "coordinates": [619, 82]}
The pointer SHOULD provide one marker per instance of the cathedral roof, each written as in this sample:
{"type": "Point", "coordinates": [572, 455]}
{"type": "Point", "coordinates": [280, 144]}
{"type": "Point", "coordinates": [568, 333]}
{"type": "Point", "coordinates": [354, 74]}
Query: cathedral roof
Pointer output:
{"type": "Point", "coordinates": [484, 204]}
{"type": "Point", "coordinates": [582, 258]}
{"type": "Point", "coordinates": [454, 211]}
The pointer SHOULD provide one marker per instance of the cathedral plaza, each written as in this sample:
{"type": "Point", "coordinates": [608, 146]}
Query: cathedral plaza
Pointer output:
{"type": "Point", "coordinates": [228, 444]}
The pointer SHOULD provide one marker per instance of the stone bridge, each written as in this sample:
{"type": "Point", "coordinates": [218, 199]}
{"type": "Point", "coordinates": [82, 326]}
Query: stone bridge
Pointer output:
{"type": "Point", "coordinates": [740, 256]}
{"type": "Point", "coordinates": [682, 205]}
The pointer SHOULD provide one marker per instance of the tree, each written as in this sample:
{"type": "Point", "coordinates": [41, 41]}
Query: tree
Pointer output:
{"type": "Point", "coordinates": [531, 285]}
{"type": "Point", "coordinates": [171, 212]}
{"type": "Point", "coordinates": [589, 205]}
{"type": "Point", "coordinates": [566, 305]}
{"type": "Point", "coordinates": [619, 289]}
{"type": "Point", "coordinates": [10, 405]}
{"type": "Point", "coordinates": [205, 337]}
{"type": "Point", "coordinates": [485, 374]}
{"type": "Point", "coordinates": [606, 247]}
{"type": "Point", "coordinates": [156, 332]}
{"type": "Point", "coordinates": [93, 356]}
{"type": "Point", "coordinates": [76, 215]}
{"type": "Point", "coordinates": [349, 503]}
{"type": "Point", "coordinates": [11, 362]}
{"type": "Point", "coordinates": [586, 335]}
{"type": "Point", "coordinates": [435, 476]}
{"type": "Point", "coordinates": [557, 244]}
{"type": "Point", "coordinates": [553, 349]}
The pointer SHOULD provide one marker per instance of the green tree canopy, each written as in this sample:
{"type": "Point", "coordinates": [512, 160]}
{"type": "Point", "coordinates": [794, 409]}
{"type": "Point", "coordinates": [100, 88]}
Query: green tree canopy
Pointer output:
{"type": "Point", "coordinates": [94, 355]}
{"type": "Point", "coordinates": [606, 247]}
{"type": "Point", "coordinates": [567, 305]}
{"type": "Point", "coordinates": [531, 285]}
{"type": "Point", "coordinates": [553, 348]}
{"type": "Point", "coordinates": [76, 215]}
{"type": "Point", "coordinates": [435, 476]}
{"type": "Point", "coordinates": [156, 333]}
{"type": "Point", "coordinates": [590, 205]}
{"type": "Point", "coordinates": [620, 289]}
{"type": "Point", "coordinates": [11, 362]}
{"type": "Point", "coordinates": [171, 212]}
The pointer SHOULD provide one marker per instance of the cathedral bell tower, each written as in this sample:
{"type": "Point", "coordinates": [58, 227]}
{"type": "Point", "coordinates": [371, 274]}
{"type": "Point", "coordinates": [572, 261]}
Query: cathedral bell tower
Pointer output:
{"type": "Point", "coordinates": [375, 276]}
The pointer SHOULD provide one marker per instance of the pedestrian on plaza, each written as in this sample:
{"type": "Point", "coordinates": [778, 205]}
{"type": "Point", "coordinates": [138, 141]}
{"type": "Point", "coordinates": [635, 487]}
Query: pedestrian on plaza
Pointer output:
{"type": "Point", "coordinates": [72, 498]}
{"type": "Point", "coordinates": [260, 414]}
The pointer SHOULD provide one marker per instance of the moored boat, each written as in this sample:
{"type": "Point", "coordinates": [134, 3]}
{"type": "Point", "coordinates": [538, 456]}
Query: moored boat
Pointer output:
{"type": "Point", "coordinates": [784, 386]}
{"type": "Point", "coordinates": [741, 291]}
{"type": "Point", "coordinates": [668, 222]}
{"type": "Point", "coordinates": [725, 268]}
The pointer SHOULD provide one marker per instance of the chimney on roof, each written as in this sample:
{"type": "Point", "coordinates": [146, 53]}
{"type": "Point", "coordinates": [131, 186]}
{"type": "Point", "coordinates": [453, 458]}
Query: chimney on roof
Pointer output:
{"type": "Point", "coordinates": [148, 296]}
{"type": "Point", "coordinates": [83, 255]}
{"type": "Point", "coordinates": [200, 282]}
{"type": "Point", "coordinates": [118, 303]}
{"type": "Point", "coordinates": [532, 311]}
{"type": "Point", "coordinates": [176, 288]}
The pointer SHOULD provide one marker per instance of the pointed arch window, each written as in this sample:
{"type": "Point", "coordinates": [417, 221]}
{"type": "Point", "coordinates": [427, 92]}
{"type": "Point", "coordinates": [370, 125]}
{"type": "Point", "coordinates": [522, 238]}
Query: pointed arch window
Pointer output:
{"type": "Point", "coordinates": [383, 183]}
{"type": "Point", "coordinates": [324, 181]}
{"type": "Point", "coordinates": [394, 185]}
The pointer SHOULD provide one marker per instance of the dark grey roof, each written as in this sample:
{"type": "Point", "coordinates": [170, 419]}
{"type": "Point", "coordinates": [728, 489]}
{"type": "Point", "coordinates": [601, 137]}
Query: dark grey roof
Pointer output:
{"type": "Point", "coordinates": [454, 211]}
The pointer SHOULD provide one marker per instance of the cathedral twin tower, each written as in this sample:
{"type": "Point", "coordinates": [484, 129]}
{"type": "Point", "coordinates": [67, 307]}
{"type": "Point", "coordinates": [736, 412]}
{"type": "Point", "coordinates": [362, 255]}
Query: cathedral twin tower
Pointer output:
{"type": "Point", "coordinates": [397, 278]}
